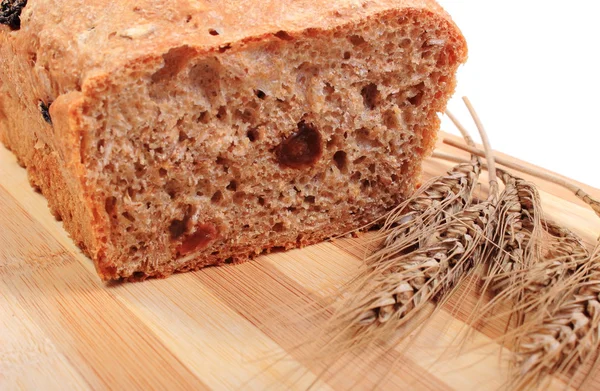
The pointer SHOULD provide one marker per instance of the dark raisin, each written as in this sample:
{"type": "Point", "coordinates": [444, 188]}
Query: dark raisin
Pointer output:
{"type": "Point", "coordinates": [45, 110]}
{"type": "Point", "coordinates": [205, 233]}
{"type": "Point", "coordinates": [10, 13]}
{"type": "Point", "coordinates": [302, 149]}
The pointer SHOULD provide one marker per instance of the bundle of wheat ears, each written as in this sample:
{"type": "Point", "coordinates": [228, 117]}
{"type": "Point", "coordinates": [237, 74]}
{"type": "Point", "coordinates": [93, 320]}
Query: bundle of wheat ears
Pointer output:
{"type": "Point", "coordinates": [444, 234]}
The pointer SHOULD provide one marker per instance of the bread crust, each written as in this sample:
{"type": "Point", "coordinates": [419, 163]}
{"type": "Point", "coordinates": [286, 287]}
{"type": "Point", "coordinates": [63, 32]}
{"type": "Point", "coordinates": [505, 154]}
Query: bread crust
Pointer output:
{"type": "Point", "coordinates": [44, 62]}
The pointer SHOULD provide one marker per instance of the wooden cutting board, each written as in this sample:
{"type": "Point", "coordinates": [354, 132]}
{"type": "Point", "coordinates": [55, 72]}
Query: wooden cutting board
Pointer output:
{"type": "Point", "coordinates": [232, 327]}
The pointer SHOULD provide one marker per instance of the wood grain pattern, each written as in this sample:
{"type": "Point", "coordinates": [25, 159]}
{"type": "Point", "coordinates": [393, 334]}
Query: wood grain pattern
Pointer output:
{"type": "Point", "coordinates": [233, 327]}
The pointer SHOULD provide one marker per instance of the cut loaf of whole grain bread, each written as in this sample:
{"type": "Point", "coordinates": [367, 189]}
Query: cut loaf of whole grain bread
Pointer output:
{"type": "Point", "coordinates": [169, 136]}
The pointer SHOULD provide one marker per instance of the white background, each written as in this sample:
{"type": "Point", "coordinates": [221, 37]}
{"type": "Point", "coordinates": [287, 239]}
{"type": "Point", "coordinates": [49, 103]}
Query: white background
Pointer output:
{"type": "Point", "coordinates": [533, 75]}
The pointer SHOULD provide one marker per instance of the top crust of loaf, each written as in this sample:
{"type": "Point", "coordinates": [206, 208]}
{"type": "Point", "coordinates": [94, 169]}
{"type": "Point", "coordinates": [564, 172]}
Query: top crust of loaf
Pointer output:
{"type": "Point", "coordinates": [90, 38]}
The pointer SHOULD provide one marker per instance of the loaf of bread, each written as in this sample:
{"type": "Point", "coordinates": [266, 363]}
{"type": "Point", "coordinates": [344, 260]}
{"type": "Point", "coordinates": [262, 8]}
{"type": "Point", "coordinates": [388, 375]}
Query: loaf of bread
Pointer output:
{"type": "Point", "coordinates": [172, 135]}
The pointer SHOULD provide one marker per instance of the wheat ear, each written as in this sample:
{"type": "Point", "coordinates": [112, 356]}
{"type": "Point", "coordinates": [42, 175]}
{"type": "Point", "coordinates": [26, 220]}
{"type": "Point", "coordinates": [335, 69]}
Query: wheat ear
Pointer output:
{"type": "Point", "coordinates": [569, 332]}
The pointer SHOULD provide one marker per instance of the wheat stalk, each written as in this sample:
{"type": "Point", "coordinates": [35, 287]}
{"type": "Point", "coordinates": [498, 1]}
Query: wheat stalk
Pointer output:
{"type": "Point", "coordinates": [576, 190]}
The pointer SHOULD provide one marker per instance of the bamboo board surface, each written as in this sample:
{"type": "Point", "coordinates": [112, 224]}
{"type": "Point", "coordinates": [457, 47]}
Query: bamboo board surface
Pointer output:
{"type": "Point", "coordinates": [220, 328]}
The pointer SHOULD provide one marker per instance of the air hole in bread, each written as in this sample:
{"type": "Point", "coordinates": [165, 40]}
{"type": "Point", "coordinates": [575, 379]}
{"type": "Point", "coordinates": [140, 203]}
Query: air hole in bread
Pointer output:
{"type": "Point", "coordinates": [426, 55]}
{"type": "Point", "coordinates": [391, 119]}
{"type": "Point", "coordinates": [140, 169]}
{"type": "Point", "coordinates": [110, 206]}
{"type": "Point", "coordinates": [366, 140]}
{"type": "Point", "coordinates": [356, 176]}
{"type": "Point", "coordinates": [416, 94]}
{"type": "Point", "coordinates": [232, 186]}
{"type": "Point", "coordinates": [224, 163]}
{"type": "Point", "coordinates": [283, 35]}
{"type": "Point", "coordinates": [224, 48]}
{"type": "Point", "coordinates": [405, 169]}
{"type": "Point", "coordinates": [334, 142]}
{"type": "Point", "coordinates": [356, 40]}
{"type": "Point", "coordinates": [341, 161]}
{"type": "Point", "coordinates": [371, 96]}
{"type": "Point", "coordinates": [217, 197]}
{"type": "Point", "coordinates": [278, 227]}
{"type": "Point", "coordinates": [128, 216]}
{"type": "Point", "coordinates": [309, 199]}
{"type": "Point", "coordinates": [347, 55]}
{"type": "Point", "coordinates": [253, 135]}
{"type": "Point", "coordinates": [206, 75]}
{"type": "Point", "coordinates": [222, 113]}
{"type": "Point", "coordinates": [45, 111]}
{"type": "Point", "coordinates": [417, 99]}
{"type": "Point", "coordinates": [174, 61]}
{"type": "Point", "coordinates": [328, 90]}
{"type": "Point", "coordinates": [372, 167]}
{"type": "Point", "coordinates": [203, 118]}
{"type": "Point", "coordinates": [177, 228]}
{"type": "Point", "coordinates": [213, 32]}
{"type": "Point", "coordinates": [359, 160]}
{"type": "Point", "coordinates": [261, 201]}
{"type": "Point", "coordinates": [260, 94]}
{"type": "Point", "coordinates": [182, 136]}
{"type": "Point", "coordinates": [405, 43]}
{"type": "Point", "coordinates": [172, 188]}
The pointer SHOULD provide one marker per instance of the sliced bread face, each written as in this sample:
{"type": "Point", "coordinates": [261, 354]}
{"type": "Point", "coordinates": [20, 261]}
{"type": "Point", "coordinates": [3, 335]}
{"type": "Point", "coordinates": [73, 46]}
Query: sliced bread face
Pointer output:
{"type": "Point", "coordinates": [195, 154]}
